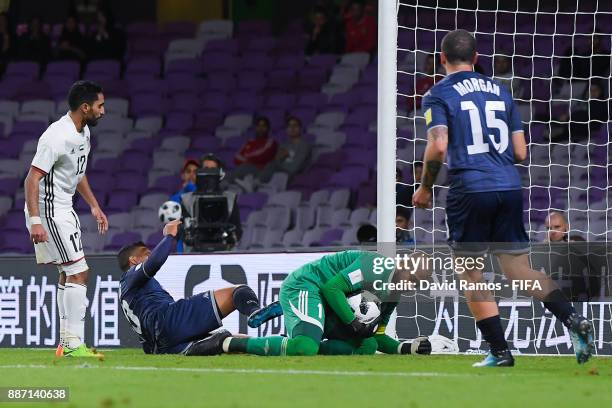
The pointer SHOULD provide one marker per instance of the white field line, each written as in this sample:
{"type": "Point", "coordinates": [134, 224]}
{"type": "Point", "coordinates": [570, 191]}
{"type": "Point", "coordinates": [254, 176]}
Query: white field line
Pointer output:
{"type": "Point", "coordinates": [249, 371]}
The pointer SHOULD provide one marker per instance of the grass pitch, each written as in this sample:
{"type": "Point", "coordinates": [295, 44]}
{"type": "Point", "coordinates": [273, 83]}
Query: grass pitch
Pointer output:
{"type": "Point", "coordinates": [129, 378]}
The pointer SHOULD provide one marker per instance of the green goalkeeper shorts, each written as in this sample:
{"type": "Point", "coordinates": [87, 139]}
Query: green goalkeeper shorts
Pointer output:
{"type": "Point", "coordinates": [303, 309]}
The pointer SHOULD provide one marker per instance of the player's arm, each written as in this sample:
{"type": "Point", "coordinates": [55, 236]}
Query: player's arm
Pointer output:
{"type": "Point", "coordinates": [389, 345]}
{"type": "Point", "coordinates": [139, 275]}
{"type": "Point", "coordinates": [437, 144]}
{"type": "Point", "coordinates": [31, 186]}
{"type": "Point", "coordinates": [335, 290]}
{"type": "Point", "coordinates": [42, 163]}
{"type": "Point", "coordinates": [84, 190]}
{"type": "Point", "coordinates": [518, 135]}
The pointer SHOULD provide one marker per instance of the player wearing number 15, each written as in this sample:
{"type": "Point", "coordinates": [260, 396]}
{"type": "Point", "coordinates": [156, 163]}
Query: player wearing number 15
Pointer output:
{"type": "Point", "coordinates": [476, 120]}
{"type": "Point", "coordinates": [57, 171]}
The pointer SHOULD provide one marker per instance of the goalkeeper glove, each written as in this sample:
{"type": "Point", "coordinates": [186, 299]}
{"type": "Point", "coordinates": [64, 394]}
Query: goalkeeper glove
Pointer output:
{"type": "Point", "coordinates": [363, 330]}
{"type": "Point", "coordinates": [420, 345]}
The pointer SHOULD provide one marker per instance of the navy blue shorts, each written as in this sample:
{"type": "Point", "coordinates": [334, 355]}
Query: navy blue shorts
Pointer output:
{"type": "Point", "coordinates": [492, 220]}
{"type": "Point", "coordinates": [187, 320]}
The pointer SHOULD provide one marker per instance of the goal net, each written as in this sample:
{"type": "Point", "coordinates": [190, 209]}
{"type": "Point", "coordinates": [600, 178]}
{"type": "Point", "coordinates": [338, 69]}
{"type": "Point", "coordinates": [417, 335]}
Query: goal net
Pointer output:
{"type": "Point", "coordinates": [555, 58]}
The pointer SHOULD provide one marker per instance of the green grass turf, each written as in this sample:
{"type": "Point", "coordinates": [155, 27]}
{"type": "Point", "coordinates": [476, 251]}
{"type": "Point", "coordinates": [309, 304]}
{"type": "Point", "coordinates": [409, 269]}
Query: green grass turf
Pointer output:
{"type": "Point", "coordinates": [315, 382]}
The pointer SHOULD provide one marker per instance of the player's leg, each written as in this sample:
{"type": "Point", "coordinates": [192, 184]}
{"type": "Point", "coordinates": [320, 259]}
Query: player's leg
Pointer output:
{"type": "Point", "coordinates": [514, 261]}
{"type": "Point", "coordinates": [188, 320]}
{"type": "Point", "coordinates": [334, 347]}
{"type": "Point", "coordinates": [61, 312]}
{"type": "Point", "coordinates": [304, 321]}
{"type": "Point", "coordinates": [46, 253]}
{"type": "Point", "coordinates": [470, 218]}
{"type": "Point", "coordinates": [244, 299]}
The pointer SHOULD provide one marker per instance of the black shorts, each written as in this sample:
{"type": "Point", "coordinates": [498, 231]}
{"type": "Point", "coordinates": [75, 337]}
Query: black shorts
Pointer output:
{"type": "Point", "coordinates": [479, 222]}
{"type": "Point", "coordinates": [187, 320]}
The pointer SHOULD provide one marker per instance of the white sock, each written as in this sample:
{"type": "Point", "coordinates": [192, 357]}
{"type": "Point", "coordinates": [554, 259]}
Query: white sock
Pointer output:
{"type": "Point", "coordinates": [75, 304]}
{"type": "Point", "coordinates": [61, 311]}
{"type": "Point", "coordinates": [226, 344]}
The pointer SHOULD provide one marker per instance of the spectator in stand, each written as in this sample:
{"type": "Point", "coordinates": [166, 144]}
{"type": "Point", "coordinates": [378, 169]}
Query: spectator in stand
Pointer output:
{"type": "Point", "coordinates": [587, 115]}
{"type": "Point", "coordinates": [402, 224]}
{"type": "Point", "coordinates": [425, 80]}
{"type": "Point", "coordinates": [360, 29]}
{"type": "Point", "coordinates": [107, 41]}
{"type": "Point", "coordinates": [323, 35]}
{"type": "Point", "coordinates": [71, 43]}
{"type": "Point", "coordinates": [35, 44]}
{"type": "Point", "coordinates": [291, 156]}
{"type": "Point", "coordinates": [255, 154]}
{"type": "Point", "coordinates": [586, 59]}
{"type": "Point", "coordinates": [6, 41]}
{"type": "Point", "coordinates": [188, 176]}
{"type": "Point", "coordinates": [502, 72]}
{"type": "Point", "coordinates": [557, 227]}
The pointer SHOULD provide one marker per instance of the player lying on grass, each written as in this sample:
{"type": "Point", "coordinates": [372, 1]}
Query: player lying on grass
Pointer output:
{"type": "Point", "coordinates": [166, 326]}
{"type": "Point", "coordinates": [476, 120]}
{"type": "Point", "coordinates": [318, 317]}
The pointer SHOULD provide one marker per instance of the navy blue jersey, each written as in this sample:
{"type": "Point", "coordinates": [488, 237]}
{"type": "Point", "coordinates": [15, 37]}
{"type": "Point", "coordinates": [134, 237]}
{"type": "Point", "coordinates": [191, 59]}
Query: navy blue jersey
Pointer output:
{"type": "Point", "coordinates": [142, 298]}
{"type": "Point", "coordinates": [481, 116]}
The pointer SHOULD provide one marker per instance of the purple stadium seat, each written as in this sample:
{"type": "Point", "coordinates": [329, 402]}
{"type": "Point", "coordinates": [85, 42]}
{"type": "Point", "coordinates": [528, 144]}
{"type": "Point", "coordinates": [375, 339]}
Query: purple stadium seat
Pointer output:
{"type": "Point", "coordinates": [18, 243]}
{"type": "Point", "coordinates": [245, 102]}
{"type": "Point", "coordinates": [222, 81]}
{"type": "Point", "coordinates": [147, 47]}
{"type": "Point", "coordinates": [154, 239]}
{"type": "Point", "coordinates": [314, 100]}
{"type": "Point", "coordinates": [206, 143]}
{"type": "Point", "coordinates": [136, 160]}
{"type": "Point", "coordinates": [122, 239]}
{"type": "Point", "coordinates": [207, 122]}
{"type": "Point", "coordinates": [103, 69]}
{"type": "Point", "coordinates": [10, 148]}
{"type": "Point", "coordinates": [257, 62]}
{"type": "Point", "coordinates": [129, 181]}
{"type": "Point", "coordinates": [143, 67]}
{"type": "Point", "coordinates": [219, 62]}
{"type": "Point", "coordinates": [62, 69]}
{"type": "Point", "coordinates": [141, 29]}
{"type": "Point", "coordinates": [22, 71]}
{"type": "Point", "coordinates": [252, 81]}
{"type": "Point", "coordinates": [311, 79]}
{"type": "Point", "coordinates": [305, 115]}
{"type": "Point", "coordinates": [215, 102]}
{"type": "Point", "coordinates": [33, 90]}
{"type": "Point", "coordinates": [121, 201]}
{"type": "Point", "coordinates": [290, 61]}
{"type": "Point", "coordinates": [227, 45]}
{"type": "Point", "coordinates": [252, 201]}
{"type": "Point", "coordinates": [325, 61]}
{"type": "Point", "coordinates": [329, 237]}
{"type": "Point", "coordinates": [280, 101]}
{"type": "Point", "coordinates": [14, 220]}
{"type": "Point", "coordinates": [184, 66]}
{"type": "Point", "coordinates": [177, 122]}
{"type": "Point", "coordinates": [169, 183]}
{"type": "Point", "coordinates": [179, 29]}
{"type": "Point", "coordinates": [253, 28]}
{"type": "Point", "coordinates": [184, 102]}
{"type": "Point", "coordinates": [147, 104]}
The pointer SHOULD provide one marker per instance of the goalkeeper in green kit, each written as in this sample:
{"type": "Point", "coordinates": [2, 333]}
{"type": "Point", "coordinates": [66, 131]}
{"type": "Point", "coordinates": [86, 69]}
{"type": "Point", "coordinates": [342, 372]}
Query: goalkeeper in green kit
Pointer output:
{"type": "Point", "coordinates": [319, 318]}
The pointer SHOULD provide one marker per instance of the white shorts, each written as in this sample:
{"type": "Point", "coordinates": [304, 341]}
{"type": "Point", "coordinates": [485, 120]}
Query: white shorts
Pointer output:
{"type": "Point", "coordinates": [64, 247]}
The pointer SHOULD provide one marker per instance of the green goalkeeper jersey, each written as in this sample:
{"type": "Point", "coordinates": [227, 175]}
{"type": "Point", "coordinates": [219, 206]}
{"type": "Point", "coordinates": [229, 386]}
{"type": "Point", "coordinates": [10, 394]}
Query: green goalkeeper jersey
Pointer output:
{"type": "Point", "coordinates": [357, 267]}
{"type": "Point", "coordinates": [343, 273]}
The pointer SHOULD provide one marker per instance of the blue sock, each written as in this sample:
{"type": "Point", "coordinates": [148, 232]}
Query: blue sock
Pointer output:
{"type": "Point", "coordinates": [493, 333]}
{"type": "Point", "coordinates": [245, 300]}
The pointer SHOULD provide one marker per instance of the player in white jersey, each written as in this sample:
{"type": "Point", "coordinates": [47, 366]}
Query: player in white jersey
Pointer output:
{"type": "Point", "coordinates": [57, 171]}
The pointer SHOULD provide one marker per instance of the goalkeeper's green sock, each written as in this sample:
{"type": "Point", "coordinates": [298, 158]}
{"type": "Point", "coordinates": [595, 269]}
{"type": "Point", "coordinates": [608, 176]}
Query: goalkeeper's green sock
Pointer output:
{"type": "Point", "coordinates": [261, 346]}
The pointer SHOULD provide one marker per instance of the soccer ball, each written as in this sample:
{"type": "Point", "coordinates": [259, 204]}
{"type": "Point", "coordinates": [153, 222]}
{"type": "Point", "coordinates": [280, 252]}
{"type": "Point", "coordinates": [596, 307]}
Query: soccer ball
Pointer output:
{"type": "Point", "coordinates": [169, 211]}
{"type": "Point", "coordinates": [365, 309]}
